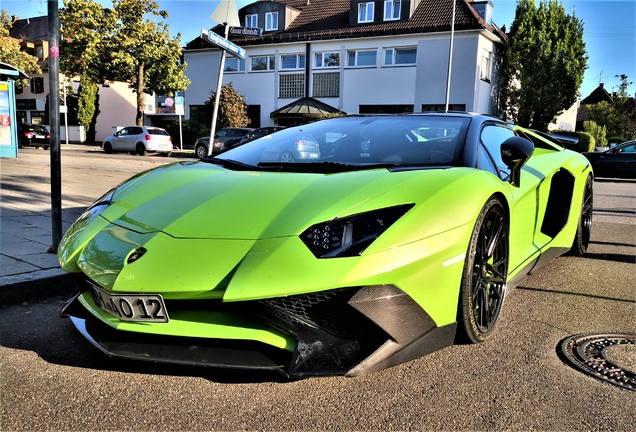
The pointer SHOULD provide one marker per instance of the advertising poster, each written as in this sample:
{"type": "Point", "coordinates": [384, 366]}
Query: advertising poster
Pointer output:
{"type": "Point", "coordinates": [5, 115]}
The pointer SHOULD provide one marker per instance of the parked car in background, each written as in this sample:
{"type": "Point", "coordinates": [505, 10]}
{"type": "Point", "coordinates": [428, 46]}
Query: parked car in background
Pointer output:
{"type": "Point", "coordinates": [616, 162]}
{"type": "Point", "coordinates": [33, 135]}
{"type": "Point", "coordinates": [223, 140]}
{"type": "Point", "coordinates": [257, 133]}
{"type": "Point", "coordinates": [139, 140]}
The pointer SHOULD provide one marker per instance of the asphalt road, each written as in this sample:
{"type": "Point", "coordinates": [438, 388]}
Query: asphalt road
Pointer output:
{"type": "Point", "coordinates": [52, 379]}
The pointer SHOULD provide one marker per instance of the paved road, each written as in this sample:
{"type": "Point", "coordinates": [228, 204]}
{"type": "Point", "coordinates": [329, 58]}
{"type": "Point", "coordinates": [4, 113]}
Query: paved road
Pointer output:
{"type": "Point", "coordinates": [51, 378]}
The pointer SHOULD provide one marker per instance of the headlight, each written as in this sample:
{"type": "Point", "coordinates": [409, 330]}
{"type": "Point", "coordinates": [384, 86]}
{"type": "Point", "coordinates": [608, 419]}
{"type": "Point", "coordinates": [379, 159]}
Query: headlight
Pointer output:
{"type": "Point", "coordinates": [96, 208]}
{"type": "Point", "coordinates": [351, 235]}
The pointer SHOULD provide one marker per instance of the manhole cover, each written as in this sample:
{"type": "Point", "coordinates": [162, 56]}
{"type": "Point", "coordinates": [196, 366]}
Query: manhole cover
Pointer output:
{"type": "Point", "coordinates": [589, 353]}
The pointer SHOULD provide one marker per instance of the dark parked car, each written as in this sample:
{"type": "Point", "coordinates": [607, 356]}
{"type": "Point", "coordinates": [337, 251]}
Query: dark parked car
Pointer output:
{"type": "Point", "coordinates": [33, 135]}
{"type": "Point", "coordinates": [260, 132]}
{"type": "Point", "coordinates": [617, 162]}
{"type": "Point", "coordinates": [223, 140]}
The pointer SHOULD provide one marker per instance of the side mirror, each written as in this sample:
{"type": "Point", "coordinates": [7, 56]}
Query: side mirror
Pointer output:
{"type": "Point", "coordinates": [515, 152]}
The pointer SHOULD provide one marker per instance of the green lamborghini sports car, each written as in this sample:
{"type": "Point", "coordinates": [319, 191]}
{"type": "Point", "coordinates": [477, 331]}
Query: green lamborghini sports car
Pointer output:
{"type": "Point", "coordinates": [399, 236]}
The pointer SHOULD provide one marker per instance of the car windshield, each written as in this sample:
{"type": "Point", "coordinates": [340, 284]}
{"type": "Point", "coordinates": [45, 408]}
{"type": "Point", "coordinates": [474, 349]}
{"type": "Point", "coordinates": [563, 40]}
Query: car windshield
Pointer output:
{"type": "Point", "coordinates": [359, 142]}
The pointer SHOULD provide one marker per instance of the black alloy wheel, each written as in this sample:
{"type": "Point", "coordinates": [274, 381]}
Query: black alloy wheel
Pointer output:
{"type": "Point", "coordinates": [485, 274]}
{"type": "Point", "coordinates": [584, 228]}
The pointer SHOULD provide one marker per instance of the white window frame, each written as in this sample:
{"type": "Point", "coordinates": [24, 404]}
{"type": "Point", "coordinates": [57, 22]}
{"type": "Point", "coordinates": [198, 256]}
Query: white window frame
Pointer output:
{"type": "Point", "coordinates": [355, 54]}
{"type": "Point", "coordinates": [271, 21]}
{"type": "Point", "coordinates": [365, 12]}
{"type": "Point", "coordinates": [270, 63]}
{"type": "Point", "coordinates": [320, 57]}
{"type": "Point", "coordinates": [392, 10]}
{"type": "Point", "coordinates": [232, 60]}
{"type": "Point", "coordinates": [300, 64]}
{"type": "Point", "coordinates": [251, 20]}
{"type": "Point", "coordinates": [485, 68]}
{"type": "Point", "coordinates": [393, 53]}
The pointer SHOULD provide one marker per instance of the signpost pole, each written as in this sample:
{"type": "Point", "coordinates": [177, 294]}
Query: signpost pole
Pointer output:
{"type": "Point", "coordinates": [217, 96]}
{"type": "Point", "coordinates": [54, 116]}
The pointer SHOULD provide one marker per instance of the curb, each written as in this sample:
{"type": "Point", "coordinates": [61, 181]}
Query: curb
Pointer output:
{"type": "Point", "coordinates": [34, 290]}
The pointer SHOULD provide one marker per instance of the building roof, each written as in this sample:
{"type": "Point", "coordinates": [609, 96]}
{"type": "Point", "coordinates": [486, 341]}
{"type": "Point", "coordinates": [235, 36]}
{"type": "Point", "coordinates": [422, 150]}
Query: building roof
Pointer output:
{"type": "Point", "coordinates": [598, 95]}
{"type": "Point", "coordinates": [329, 19]}
{"type": "Point", "coordinates": [306, 107]}
{"type": "Point", "coordinates": [30, 29]}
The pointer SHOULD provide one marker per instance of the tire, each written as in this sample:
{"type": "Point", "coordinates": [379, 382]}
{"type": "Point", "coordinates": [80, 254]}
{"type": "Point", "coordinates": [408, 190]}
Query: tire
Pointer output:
{"type": "Point", "coordinates": [167, 154]}
{"type": "Point", "coordinates": [141, 149]}
{"type": "Point", "coordinates": [108, 148]}
{"type": "Point", "coordinates": [45, 148]}
{"type": "Point", "coordinates": [483, 285]}
{"type": "Point", "coordinates": [286, 157]}
{"type": "Point", "coordinates": [584, 227]}
{"type": "Point", "coordinates": [201, 151]}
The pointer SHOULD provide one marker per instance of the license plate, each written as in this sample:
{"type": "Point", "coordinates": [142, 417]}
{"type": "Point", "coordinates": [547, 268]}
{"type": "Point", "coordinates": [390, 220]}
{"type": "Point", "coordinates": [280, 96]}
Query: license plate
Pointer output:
{"type": "Point", "coordinates": [40, 136]}
{"type": "Point", "coordinates": [131, 307]}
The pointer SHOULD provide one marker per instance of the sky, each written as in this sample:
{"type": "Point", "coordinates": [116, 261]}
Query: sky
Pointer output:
{"type": "Point", "coordinates": [609, 30]}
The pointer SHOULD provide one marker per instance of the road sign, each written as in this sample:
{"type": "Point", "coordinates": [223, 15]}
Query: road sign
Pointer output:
{"type": "Point", "coordinates": [178, 100]}
{"type": "Point", "coordinates": [246, 31]}
{"type": "Point", "coordinates": [169, 102]}
{"type": "Point", "coordinates": [223, 43]}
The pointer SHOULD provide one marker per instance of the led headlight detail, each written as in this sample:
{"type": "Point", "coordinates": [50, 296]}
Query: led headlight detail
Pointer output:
{"type": "Point", "coordinates": [351, 235]}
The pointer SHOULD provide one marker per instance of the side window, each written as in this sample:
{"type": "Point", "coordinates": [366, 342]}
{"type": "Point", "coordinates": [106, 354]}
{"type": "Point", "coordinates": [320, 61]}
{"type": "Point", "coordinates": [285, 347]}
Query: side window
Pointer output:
{"type": "Point", "coordinates": [123, 131]}
{"type": "Point", "coordinates": [136, 131]}
{"type": "Point", "coordinates": [492, 136]}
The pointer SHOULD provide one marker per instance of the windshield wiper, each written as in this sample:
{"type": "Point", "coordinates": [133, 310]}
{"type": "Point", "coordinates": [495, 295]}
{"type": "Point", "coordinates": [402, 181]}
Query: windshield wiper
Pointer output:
{"type": "Point", "coordinates": [232, 164]}
{"type": "Point", "coordinates": [325, 166]}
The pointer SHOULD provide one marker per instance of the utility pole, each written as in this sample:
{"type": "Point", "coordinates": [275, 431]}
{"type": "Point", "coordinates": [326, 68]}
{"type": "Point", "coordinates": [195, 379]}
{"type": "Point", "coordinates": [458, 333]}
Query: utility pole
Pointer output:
{"type": "Point", "coordinates": [54, 116]}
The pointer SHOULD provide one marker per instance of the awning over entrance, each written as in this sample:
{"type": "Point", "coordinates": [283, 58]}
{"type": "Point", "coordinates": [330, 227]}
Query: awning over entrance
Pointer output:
{"type": "Point", "coordinates": [306, 109]}
{"type": "Point", "coordinates": [9, 71]}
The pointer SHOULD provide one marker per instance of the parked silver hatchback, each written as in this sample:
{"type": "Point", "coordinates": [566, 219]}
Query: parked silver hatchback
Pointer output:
{"type": "Point", "coordinates": [139, 140]}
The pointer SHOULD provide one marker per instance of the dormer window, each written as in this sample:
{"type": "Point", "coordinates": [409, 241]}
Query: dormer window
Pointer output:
{"type": "Point", "coordinates": [251, 20]}
{"type": "Point", "coordinates": [365, 12]}
{"type": "Point", "coordinates": [39, 52]}
{"type": "Point", "coordinates": [271, 21]}
{"type": "Point", "coordinates": [392, 10]}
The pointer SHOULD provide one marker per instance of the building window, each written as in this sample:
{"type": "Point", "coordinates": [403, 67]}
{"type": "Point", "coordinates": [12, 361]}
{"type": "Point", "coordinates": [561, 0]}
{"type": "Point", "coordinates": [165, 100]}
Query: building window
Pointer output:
{"type": "Point", "coordinates": [391, 10]}
{"type": "Point", "coordinates": [271, 21]}
{"type": "Point", "coordinates": [39, 52]}
{"type": "Point", "coordinates": [326, 84]}
{"type": "Point", "coordinates": [365, 12]}
{"type": "Point", "coordinates": [291, 86]}
{"type": "Point", "coordinates": [37, 85]}
{"type": "Point", "coordinates": [484, 67]}
{"type": "Point", "coordinates": [361, 58]}
{"type": "Point", "coordinates": [263, 63]}
{"type": "Point", "coordinates": [400, 56]}
{"type": "Point", "coordinates": [234, 65]}
{"type": "Point", "coordinates": [441, 108]}
{"type": "Point", "coordinates": [251, 20]}
{"type": "Point", "coordinates": [327, 59]}
{"type": "Point", "coordinates": [296, 61]}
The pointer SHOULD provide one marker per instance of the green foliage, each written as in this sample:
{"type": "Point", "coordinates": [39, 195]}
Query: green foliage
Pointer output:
{"type": "Point", "coordinates": [619, 118]}
{"type": "Point", "coordinates": [598, 132]}
{"type": "Point", "coordinates": [190, 131]}
{"type": "Point", "coordinates": [332, 115]}
{"type": "Point", "coordinates": [616, 140]}
{"type": "Point", "coordinates": [232, 108]}
{"type": "Point", "coordinates": [10, 51]}
{"type": "Point", "coordinates": [546, 60]}
{"type": "Point", "coordinates": [122, 44]}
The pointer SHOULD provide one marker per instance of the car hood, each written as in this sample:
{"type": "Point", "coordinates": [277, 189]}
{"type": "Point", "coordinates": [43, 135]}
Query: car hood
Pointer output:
{"type": "Point", "coordinates": [205, 201]}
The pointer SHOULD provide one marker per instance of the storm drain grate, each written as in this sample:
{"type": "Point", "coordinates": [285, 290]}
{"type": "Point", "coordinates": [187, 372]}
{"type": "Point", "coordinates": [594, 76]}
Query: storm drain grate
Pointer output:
{"type": "Point", "coordinates": [587, 352]}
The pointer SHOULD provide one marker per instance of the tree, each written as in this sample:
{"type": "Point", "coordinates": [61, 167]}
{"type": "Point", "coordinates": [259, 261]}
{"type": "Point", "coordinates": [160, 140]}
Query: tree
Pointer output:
{"type": "Point", "coordinates": [143, 53]}
{"type": "Point", "coordinates": [546, 61]}
{"type": "Point", "coordinates": [118, 44]}
{"type": "Point", "coordinates": [232, 108]}
{"type": "Point", "coordinates": [10, 50]}
{"type": "Point", "coordinates": [598, 132]}
{"type": "Point", "coordinates": [619, 118]}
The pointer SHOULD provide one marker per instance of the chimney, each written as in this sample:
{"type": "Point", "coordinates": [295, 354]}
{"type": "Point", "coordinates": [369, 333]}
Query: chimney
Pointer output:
{"type": "Point", "coordinates": [601, 85]}
{"type": "Point", "coordinates": [14, 18]}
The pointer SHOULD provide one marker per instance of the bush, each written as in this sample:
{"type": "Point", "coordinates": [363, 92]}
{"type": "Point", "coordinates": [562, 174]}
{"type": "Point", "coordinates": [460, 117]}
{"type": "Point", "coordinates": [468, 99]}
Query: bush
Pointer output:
{"type": "Point", "coordinates": [616, 140]}
{"type": "Point", "coordinates": [598, 132]}
{"type": "Point", "coordinates": [190, 131]}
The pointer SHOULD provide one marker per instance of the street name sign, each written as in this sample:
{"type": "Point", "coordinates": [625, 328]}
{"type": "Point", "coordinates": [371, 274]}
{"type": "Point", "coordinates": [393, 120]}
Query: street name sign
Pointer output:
{"type": "Point", "coordinates": [223, 43]}
{"type": "Point", "coordinates": [246, 31]}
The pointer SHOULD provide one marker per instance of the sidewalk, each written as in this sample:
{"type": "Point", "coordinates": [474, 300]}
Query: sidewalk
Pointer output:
{"type": "Point", "coordinates": [26, 263]}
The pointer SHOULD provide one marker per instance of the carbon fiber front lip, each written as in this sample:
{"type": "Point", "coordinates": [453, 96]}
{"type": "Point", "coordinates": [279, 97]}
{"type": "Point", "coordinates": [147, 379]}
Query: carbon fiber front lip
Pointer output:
{"type": "Point", "coordinates": [176, 350]}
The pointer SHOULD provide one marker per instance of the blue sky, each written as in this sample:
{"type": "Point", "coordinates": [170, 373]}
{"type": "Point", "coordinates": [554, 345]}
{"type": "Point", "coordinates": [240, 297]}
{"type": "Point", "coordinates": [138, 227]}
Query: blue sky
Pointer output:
{"type": "Point", "coordinates": [609, 30]}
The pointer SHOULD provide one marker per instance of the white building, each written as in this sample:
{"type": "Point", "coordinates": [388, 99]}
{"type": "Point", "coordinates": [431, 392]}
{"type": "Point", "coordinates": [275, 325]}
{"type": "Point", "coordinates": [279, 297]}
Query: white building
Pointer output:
{"type": "Point", "coordinates": [353, 56]}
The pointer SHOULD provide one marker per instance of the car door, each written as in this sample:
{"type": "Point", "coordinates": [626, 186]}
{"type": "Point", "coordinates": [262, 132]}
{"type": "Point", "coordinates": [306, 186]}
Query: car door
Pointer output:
{"type": "Point", "coordinates": [119, 139]}
{"type": "Point", "coordinates": [619, 162]}
{"type": "Point", "coordinates": [133, 137]}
